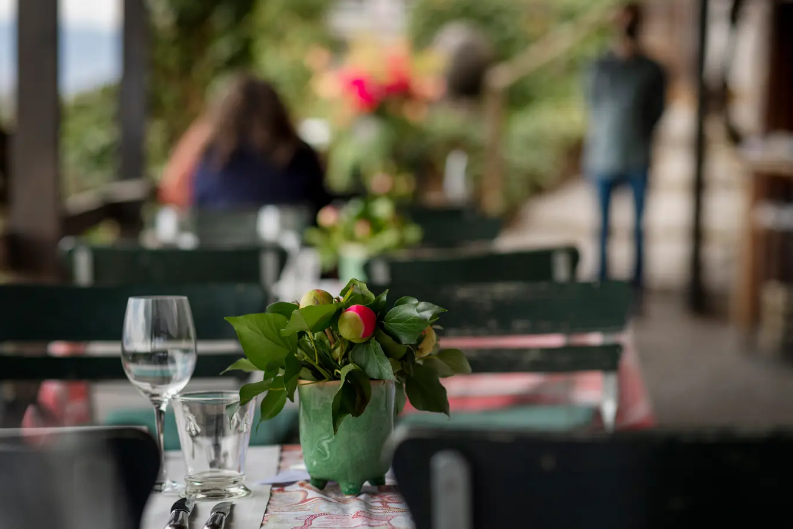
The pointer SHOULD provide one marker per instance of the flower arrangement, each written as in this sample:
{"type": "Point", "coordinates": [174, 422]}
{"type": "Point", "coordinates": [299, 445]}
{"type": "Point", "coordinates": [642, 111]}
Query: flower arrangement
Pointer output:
{"type": "Point", "coordinates": [378, 98]}
{"type": "Point", "coordinates": [372, 223]}
{"type": "Point", "coordinates": [353, 338]}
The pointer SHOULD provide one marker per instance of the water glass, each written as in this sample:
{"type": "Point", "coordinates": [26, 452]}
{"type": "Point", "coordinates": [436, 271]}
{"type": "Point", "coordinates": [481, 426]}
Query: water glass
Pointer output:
{"type": "Point", "coordinates": [214, 430]}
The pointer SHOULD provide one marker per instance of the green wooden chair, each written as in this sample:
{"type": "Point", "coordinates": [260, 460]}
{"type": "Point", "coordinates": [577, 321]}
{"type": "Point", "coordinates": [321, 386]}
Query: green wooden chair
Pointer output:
{"type": "Point", "coordinates": [131, 264]}
{"type": "Point", "coordinates": [247, 227]}
{"type": "Point", "coordinates": [549, 264]}
{"type": "Point", "coordinates": [515, 309]}
{"type": "Point", "coordinates": [450, 227]}
{"type": "Point", "coordinates": [38, 314]}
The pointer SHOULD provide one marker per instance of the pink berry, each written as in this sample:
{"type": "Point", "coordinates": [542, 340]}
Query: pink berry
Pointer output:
{"type": "Point", "coordinates": [357, 323]}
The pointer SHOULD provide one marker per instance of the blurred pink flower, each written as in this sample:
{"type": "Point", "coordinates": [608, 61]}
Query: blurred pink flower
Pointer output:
{"type": "Point", "coordinates": [381, 183]}
{"type": "Point", "coordinates": [364, 91]}
{"type": "Point", "coordinates": [363, 228]}
{"type": "Point", "coordinates": [328, 217]}
{"type": "Point", "coordinates": [399, 78]}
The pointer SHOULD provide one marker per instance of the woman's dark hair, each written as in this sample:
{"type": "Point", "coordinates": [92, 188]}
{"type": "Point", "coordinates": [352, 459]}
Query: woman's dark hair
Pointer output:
{"type": "Point", "coordinates": [250, 116]}
{"type": "Point", "coordinates": [631, 19]}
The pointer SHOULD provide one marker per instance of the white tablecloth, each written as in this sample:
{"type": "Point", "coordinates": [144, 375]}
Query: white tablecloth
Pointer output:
{"type": "Point", "coordinates": [248, 512]}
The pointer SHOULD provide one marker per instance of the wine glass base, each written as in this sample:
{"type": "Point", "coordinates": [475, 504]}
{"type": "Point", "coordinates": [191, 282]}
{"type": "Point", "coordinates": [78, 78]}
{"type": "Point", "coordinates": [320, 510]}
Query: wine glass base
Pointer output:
{"type": "Point", "coordinates": [168, 487]}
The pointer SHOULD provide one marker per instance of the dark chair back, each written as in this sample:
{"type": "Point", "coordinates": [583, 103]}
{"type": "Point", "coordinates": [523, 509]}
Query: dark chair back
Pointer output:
{"type": "Point", "coordinates": [512, 310]}
{"type": "Point", "coordinates": [451, 227]}
{"type": "Point", "coordinates": [96, 477]}
{"type": "Point", "coordinates": [509, 308]}
{"type": "Point", "coordinates": [655, 480]}
{"type": "Point", "coordinates": [136, 265]}
{"type": "Point", "coordinates": [248, 227]}
{"type": "Point", "coordinates": [46, 313]}
{"type": "Point", "coordinates": [551, 264]}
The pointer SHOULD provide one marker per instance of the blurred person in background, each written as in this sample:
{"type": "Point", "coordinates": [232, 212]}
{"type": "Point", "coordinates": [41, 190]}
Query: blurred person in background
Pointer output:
{"type": "Point", "coordinates": [625, 92]}
{"type": "Point", "coordinates": [244, 153]}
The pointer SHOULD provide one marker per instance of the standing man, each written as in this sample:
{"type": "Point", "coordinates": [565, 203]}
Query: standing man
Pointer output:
{"type": "Point", "coordinates": [625, 93]}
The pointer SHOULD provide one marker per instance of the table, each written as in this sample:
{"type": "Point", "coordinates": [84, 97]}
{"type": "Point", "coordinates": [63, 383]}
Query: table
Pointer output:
{"type": "Point", "coordinates": [262, 462]}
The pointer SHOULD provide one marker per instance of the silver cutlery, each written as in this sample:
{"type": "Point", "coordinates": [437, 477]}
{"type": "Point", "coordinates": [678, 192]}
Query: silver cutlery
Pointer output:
{"type": "Point", "coordinates": [220, 512]}
{"type": "Point", "coordinates": [180, 514]}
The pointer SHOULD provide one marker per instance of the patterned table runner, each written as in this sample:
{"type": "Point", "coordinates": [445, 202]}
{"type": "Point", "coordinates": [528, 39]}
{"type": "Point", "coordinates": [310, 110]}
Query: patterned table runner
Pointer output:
{"type": "Point", "coordinates": [300, 505]}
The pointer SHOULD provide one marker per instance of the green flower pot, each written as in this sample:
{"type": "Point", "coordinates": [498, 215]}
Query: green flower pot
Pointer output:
{"type": "Point", "coordinates": [356, 454]}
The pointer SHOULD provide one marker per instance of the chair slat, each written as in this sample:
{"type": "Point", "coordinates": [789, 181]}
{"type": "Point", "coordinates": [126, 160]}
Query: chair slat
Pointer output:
{"type": "Point", "coordinates": [45, 313]}
{"type": "Point", "coordinates": [136, 265]}
{"type": "Point", "coordinates": [547, 264]}
{"type": "Point", "coordinates": [546, 360]}
{"type": "Point", "coordinates": [512, 308]}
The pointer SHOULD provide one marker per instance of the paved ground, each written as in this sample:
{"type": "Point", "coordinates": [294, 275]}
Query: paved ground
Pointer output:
{"type": "Point", "coordinates": [700, 373]}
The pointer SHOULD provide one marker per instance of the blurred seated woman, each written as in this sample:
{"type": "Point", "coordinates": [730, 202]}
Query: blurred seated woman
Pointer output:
{"type": "Point", "coordinates": [243, 154]}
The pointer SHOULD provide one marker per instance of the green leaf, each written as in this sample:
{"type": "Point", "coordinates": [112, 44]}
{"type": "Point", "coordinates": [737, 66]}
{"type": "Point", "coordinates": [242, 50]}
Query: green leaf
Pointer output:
{"type": "Point", "coordinates": [438, 365]}
{"type": "Point", "coordinates": [378, 305]}
{"type": "Point", "coordinates": [455, 359]}
{"type": "Point", "coordinates": [425, 390]}
{"type": "Point", "coordinates": [395, 365]}
{"type": "Point", "coordinates": [371, 358]}
{"type": "Point", "coordinates": [243, 364]}
{"type": "Point", "coordinates": [261, 339]}
{"type": "Point", "coordinates": [248, 392]}
{"type": "Point", "coordinates": [352, 396]}
{"type": "Point", "coordinates": [306, 374]}
{"type": "Point", "coordinates": [429, 311]}
{"type": "Point", "coordinates": [406, 300]}
{"type": "Point", "coordinates": [400, 398]}
{"type": "Point", "coordinates": [314, 318]}
{"type": "Point", "coordinates": [273, 402]}
{"type": "Point", "coordinates": [404, 323]}
{"type": "Point", "coordinates": [356, 293]}
{"type": "Point", "coordinates": [283, 308]}
{"type": "Point", "coordinates": [291, 375]}
{"type": "Point", "coordinates": [390, 347]}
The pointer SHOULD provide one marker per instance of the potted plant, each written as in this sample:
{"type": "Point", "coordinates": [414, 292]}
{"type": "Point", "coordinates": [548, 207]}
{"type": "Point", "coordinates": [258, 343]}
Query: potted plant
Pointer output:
{"type": "Point", "coordinates": [353, 362]}
{"type": "Point", "coordinates": [347, 237]}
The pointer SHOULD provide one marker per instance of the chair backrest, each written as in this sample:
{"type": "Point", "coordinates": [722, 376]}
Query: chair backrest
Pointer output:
{"type": "Point", "coordinates": [136, 265]}
{"type": "Point", "coordinates": [511, 308]}
{"type": "Point", "coordinates": [45, 313]}
{"type": "Point", "coordinates": [547, 264]}
{"type": "Point", "coordinates": [248, 227]}
{"type": "Point", "coordinates": [469, 480]}
{"type": "Point", "coordinates": [96, 477]}
{"type": "Point", "coordinates": [450, 227]}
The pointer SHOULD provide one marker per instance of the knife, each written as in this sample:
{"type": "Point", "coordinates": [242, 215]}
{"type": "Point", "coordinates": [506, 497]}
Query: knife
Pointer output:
{"type": "Point", "coordinates": [180, 514]}
{"type": "Point", "coordinates": [219, 514]}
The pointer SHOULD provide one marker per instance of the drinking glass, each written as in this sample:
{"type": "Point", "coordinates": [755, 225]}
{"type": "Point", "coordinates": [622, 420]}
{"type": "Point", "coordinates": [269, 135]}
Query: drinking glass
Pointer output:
{"type": "Point", "coordinates": [214, 431]}
{"type": "Point", "coordinates": [158, 351]}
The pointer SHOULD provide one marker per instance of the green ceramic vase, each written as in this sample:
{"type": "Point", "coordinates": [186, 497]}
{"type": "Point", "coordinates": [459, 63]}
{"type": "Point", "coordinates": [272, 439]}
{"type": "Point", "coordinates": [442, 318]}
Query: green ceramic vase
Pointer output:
{"type": "Point", "coordinates": [356, 454]}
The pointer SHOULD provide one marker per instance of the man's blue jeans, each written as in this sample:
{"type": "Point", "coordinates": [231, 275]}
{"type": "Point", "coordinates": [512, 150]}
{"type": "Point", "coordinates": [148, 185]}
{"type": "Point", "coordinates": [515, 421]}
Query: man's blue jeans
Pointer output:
{"type": "Point", "coordinates": [605, 185]}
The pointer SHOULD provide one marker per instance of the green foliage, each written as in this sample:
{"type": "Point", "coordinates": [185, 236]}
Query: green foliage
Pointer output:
{"type": "Point", "coordinates": [545, 116]}
{"type": "Point", "coordinates": [317, 352]}
{"type": "Point", "coordinates": [285, 32]}
{"type": "Point", "coordinates": [372, 223]}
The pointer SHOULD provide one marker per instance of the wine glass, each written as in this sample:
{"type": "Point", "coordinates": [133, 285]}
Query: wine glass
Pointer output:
{"type": "Point", "coordinates": [158, 351]}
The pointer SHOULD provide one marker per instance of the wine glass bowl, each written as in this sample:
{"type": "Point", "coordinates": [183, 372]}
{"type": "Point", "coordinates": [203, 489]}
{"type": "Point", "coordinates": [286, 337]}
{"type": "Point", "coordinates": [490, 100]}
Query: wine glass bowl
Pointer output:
{"type": "Point", "coordinates": [158, 352]}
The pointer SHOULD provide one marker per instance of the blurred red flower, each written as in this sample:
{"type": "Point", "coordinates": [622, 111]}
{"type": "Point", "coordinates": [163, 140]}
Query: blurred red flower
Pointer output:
{"type": "Point", "coordinates": [364, 91]}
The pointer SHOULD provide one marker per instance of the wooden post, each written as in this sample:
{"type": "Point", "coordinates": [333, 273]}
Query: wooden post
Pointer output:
{"type": "Point", "coordinates": [132, 95]}
{"type": "Point", "coordinates": [696, 289]}
{"type": "Point", "coordinates": [35, 210]}
{"type": "Point", "coordinates": [492, 188]}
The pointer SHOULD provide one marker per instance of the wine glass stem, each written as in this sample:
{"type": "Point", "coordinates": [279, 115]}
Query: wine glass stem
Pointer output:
{"type": "Point", "coordinates": [159, 414]}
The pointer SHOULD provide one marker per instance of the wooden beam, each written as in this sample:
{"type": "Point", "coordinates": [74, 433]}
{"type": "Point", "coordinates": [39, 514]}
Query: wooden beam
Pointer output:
{"type": "Point", "coordinates": [696, 290]}
{"type": "Point", "coordinates": [132, 106]}
{"type": "Point", "coordinates": [35, 210]}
